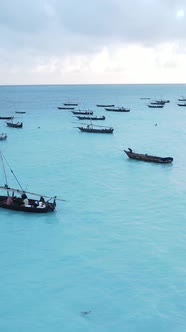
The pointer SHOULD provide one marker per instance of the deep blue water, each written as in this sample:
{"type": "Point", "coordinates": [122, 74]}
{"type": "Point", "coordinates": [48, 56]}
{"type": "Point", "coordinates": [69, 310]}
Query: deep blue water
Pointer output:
{"type": "Point", "coordinates": [117, 246]}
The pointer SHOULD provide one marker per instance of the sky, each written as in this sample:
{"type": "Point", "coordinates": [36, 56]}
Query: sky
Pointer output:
{"type": "Point", "coordinates": [92, 41]}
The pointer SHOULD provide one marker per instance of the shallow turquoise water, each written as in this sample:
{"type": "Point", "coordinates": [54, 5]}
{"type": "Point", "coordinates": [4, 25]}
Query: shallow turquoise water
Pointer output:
{"type": "Point", "coordinates": [117, 246]}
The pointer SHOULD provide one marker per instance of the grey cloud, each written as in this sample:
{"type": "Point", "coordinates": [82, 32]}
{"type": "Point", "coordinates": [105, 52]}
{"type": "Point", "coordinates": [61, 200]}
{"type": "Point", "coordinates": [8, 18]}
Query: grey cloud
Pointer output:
{"type": "Point", "coordinates": [63, 26]}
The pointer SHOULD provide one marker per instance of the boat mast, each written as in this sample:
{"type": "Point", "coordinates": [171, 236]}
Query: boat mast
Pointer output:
{"type": "Point", "coordinates": [4, 171]}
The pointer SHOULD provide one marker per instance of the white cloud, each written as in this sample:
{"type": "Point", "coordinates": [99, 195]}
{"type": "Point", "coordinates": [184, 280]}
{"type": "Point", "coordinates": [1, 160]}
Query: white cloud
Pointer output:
{"type": "Point", "coordinates": [104, 41]}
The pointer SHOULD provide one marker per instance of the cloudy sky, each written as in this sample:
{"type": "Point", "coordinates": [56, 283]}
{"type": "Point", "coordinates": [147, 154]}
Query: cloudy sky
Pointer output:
{"type": "Point", "coordinates": [92, 41]}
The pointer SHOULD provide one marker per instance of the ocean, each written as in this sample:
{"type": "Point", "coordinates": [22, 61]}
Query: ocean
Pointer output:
{"type": "Point", "coordinates": [111, 258]}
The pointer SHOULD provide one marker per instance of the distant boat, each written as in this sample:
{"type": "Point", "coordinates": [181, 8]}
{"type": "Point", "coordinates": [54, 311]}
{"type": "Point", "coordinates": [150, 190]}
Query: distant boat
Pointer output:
{"type": "Point", "coordinates": [145, 98]}
{"type": "Point", "coordinates": [15, 125]}
{"type": "Point", "coordinates": [70, 104]}
{"type": "Point", "coordinates": [117, 109]}
{"type": "Point", "coordinates": [162, 101]}
{"type": "Point", "coordinates": [83, 112]}
{"type": "Point", "coordinates": [90, 117]}
{"type": "Point", "coordinates": [3, 137]}
{"type": "Point", "coordinates": [20, 112]}
{"type": "Point", "coordinates": [183, 105]}
{"type": "Point", "coordinates": [6, 117]}
{"type": "Point", "coordinates": [102, 105]}
{"type": "Point", "coordinates": [65, 108]}
{"type": "Point", "coordinates": [156, 106]}
{"type": "Point", "coordinates": [96, 129]}
{"type": "Point", "coordinates": [182, 99]}
{"type": "Point", "coordinates": [148, 158]}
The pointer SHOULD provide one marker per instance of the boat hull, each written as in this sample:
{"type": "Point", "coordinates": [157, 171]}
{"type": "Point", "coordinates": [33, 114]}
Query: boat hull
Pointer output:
{"type": "Point", "coordinates": [90, 118]}
{"type": "Point", "coordinates": [97, 131]}
{"type": "Point", "coordinates": [117, 109]}
{"type": "Point", "coordinates": [17, 205]}
{"type": "Point", "coordinates": [149, 158]}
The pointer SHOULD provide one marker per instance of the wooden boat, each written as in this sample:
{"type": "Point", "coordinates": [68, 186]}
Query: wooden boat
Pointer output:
{"type": "Point", "coordinates": [82, 112]}
{"type": "Point", "coordinates": [6, 117]}
{"type": "Point", "coordinates": [11, 201]}
{"type": "Point", "coordinates": [182, 99]}
{"type": "Point", "coordinates": [66, 108]}
{"type": "Point", "coordinates": [70, 104]}
{"type": "Point", "coordinates": [183, 105]}
{"type": "Point", "coordinates": [102, 105]}
{"type": "Point", "coordinates": [91, 117]}
{"type": "Point", "coordinates": [117, 109]}
{"type": "Point", "coordinates": [3, 137]}
{"type": "Point", "coordinates": [20, 112]}
{"type": "Point", "coordinates": [156, 106]}
{"type": "Point", "coordinates": [148, 158]}
{"type": "Point", "coordinates": [157, 103]}
{"type": "Point", "coordinates": [95, 129]}
{"type": "Point", "coordinates": [15, 125]}
{"type": "Point", "coordinates": [163, 101]}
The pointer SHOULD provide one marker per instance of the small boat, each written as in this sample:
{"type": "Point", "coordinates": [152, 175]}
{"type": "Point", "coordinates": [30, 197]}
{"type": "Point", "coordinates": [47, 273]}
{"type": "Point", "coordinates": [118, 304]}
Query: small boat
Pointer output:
{"type": "Point", "coordinates": [162, 101]}
{"type": "Point", "coordinates": [66, 108]}
{"type": "Point", "coordinates": [148, 158]}
{"type": "Point", "coordinates": [94, 129]}
{"type": "Point", "coordinates": [15, 125]}
{"type": "Point", "coordinates": [70, 104]}
{"type": "Point", "coordinates": [156, 106]}
{"type": "Point", "coordinates": [11, 201]}
{"type": "Point", "coordinates": [20, 112]}
{"type": "Point", "coordinates": [3, 137]}
{"type": "Point", "coordinates": [118, 109]}
{"type": "Point", "coordinates": [91, 117]}
{"type": "Point", "coordinates": [82, 112]}
{"type": "Point", "coordinates": [102, 105]}
{"type": "Point", "coordinates": [6, 117]}
{"type": "Point", "coordinates": [183, 105]}
{"type": "Point", "coordinates": [143, 98]}
{"type": "Point", "coordinates": [182, 99]}
{"type": "Point", "coordinates": [157, 103]}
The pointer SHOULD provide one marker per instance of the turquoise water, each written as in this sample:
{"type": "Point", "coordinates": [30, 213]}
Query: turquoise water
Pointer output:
{"type": "Point", "coordinates": [117, 246]}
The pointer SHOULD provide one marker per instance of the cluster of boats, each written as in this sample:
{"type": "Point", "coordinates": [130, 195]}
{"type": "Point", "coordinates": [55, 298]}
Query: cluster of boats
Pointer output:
{"type": "Point", "coordinates": [88, 115]}
{"type": "Point", "coordinates": [16, 199]}
{"type": "Point", "coordinates": [158, 103]}
{"type": "Point", "coordinates": [182, 102]}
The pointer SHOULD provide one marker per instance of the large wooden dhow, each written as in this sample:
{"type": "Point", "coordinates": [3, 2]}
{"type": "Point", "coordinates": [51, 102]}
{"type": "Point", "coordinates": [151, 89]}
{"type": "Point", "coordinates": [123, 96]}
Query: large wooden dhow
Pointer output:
{"type": "Point", "coordinates": [96, 129]}
{"type": "Point", "coordinates": [95, 118]}
{"type": "Point", "coordinates": [15, 124]}
{"type": "Point", "coordinates": [117, 109]}
{"type": "Point", "coordinates": [22, 200]}
{"type": "Point", "coordinates": [148, 158]}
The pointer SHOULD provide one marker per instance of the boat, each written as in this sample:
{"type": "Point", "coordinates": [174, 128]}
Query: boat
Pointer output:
{"type": "Point", "coordinates": [182, 99]}
{"type": "Point", "coordinates": [163, 101]}
{"type": "Point", "coordinates": [117, 109]}
{"type": "Point", "coordinates": [65, 108]}
{"type": "Point", "coordinates": [6, 117]}
{"type": "Point", "coordinates": [15, 125]}
{"type": "Point", "coordinates": [70, 104]}
{"type": "Point", "coordinates": [148, 158]}
{"type": "Point", "coordinates": [90, 117]}
{"type": "Point", "coordinates": [102, 105]}
{"type": "Point", "coordinates": [96, 129]}
{"type": "Point", "coordinates": [22, 200]}
{"type": "Point", "coordinates": [3, 137]}
{"type": "Point", "coordinates": [20, 112]}
{"type": "Point", "coordinates": [83, 112]}
{"type": "Point", "coordinates": [157, 103]}
{"type": "Point", "coordinates": [156, 106]}
{"type": "Point", "coordinates": [183, 105]}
